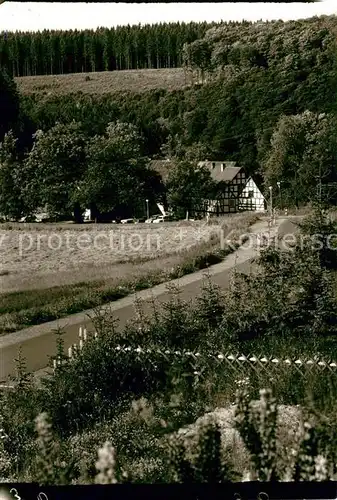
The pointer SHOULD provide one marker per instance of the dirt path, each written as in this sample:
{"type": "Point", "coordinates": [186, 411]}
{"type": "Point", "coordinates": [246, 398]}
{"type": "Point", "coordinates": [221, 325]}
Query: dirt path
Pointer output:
{"type": "Point", "coordinates": [38, 342]}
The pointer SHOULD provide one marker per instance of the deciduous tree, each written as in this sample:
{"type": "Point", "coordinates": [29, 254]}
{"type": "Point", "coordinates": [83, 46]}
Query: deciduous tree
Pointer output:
{"type": "Point", "coordinates": [54, 167]}
{"type": "Point", "coordinates": [11, 203]}
{"type": "Point", "coordinates": [116, 174]}
{"type": "Point", "coordinates": [9, 103]}
{"type": "Point", "coordinates": [188, 187]}
{"type": "Point", "coordinates": [302, 155]}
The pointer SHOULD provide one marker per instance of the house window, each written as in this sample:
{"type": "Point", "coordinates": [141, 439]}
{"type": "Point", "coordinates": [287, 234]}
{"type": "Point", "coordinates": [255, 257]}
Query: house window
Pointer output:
{"type": "Point", "coordinates": [231, 203]}
{"type": "Point", "coordinates": [251, 194]}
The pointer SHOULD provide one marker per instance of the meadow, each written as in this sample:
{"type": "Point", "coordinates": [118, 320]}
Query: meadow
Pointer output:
{"type": "Point", "coordinates": [101, 83]}
{"type": "Point", "coordinates": [50, 271]}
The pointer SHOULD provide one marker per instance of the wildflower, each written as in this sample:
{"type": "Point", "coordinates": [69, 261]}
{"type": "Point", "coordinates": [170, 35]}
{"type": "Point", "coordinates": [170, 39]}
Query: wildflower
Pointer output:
{"type": "Point", "coordinates": [142, 408]}
{"type": "Point", "coordinates": [221, 356]}
{"type": "Point", "coordinates": [49, 469]}
{"type": "Point", "coordinates": [106, 465]}
{"type": "Point", "coordinates": [175, 400]}
{"type": "Point", "coordinates": [138, 405]}
{"type": "Point", "coordinates": [321, 469]}
{"type": "Point", "coordinates": [247, 476]}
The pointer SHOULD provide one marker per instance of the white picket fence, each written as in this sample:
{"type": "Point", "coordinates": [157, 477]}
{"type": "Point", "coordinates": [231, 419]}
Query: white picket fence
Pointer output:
{"type": "Point", "coordinates": [229, 358]}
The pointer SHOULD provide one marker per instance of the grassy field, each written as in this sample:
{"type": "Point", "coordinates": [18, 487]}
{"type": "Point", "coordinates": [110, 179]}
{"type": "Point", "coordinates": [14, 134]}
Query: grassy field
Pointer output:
{"type": "Point", "coordinates": [50, 271]}
{"type": "Point", "coordinates": [36, 255]}
{"type": "Point", "coordinates": [104, 82]}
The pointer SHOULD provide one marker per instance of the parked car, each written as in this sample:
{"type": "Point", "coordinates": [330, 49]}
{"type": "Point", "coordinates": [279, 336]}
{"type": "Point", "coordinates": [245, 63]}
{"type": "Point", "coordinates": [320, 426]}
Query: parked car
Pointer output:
{"type": "Point", "coordinates": [28, 218]}
{"type": "Point", "coordinates": [163, 218]}
{"type": "Point", "coordinates": [152, 219]}
{"type": "Point", "coordinates": [127, 221]}
{"type": "Point", "coordinates": [158, 219]}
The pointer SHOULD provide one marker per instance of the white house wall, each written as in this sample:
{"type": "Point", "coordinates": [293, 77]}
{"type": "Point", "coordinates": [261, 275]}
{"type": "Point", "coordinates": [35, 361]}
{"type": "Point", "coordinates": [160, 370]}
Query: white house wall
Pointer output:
{"type": "Point", "coordinates": [255, 202]}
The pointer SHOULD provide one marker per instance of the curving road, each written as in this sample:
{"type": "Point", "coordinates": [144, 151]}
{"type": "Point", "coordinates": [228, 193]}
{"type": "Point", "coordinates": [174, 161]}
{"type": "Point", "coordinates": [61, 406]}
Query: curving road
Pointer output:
{"type": "Point", "coordinates": [38, 342]}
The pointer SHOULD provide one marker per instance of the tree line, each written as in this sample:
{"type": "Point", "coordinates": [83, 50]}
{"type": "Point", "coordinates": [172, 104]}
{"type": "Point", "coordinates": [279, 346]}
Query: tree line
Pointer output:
{"type": "Point", "coordinates": [104, 49]}
{"type": "Point", "coordinates": [66, 172]}
{"type": "Point", "coordinates": [291, 46]}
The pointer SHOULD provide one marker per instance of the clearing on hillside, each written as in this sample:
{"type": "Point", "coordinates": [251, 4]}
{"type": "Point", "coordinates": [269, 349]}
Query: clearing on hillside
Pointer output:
{"type": "Point", "coordinates": [104, 82]}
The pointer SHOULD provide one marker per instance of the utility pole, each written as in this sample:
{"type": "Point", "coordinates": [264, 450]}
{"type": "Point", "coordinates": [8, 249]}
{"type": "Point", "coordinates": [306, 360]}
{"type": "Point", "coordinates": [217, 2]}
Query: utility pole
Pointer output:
{"type": "Point", "coordinates": [280, 193]}
{"type": "Point", "coordinates": [147, 209]}
{"type": "Point", "coordinates": [271, 200]}
{"type": "Point", "coordinates": [319, 186]}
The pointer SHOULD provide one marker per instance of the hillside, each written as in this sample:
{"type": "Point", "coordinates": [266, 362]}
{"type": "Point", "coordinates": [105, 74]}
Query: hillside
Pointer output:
{"type": "Point", "coordinates": [265, 98]}
{"type": "Point", "coordinates": [101, 83]}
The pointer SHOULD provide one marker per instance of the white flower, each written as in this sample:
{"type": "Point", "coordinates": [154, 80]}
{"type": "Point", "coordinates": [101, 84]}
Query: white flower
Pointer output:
{"type": "Point", "coordinates": [246, 476]}
{"type": "Point", "coordinates": [321, 469]}
{"type": "Point", "coordinates": [221, 356]}
{"type": "Point", "coordinates": [106, 465]}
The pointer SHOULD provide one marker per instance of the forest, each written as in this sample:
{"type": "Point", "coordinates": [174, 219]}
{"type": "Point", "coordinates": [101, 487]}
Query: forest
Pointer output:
{"type": "Point", "coordinates": [105, 49]}
{"type": "Point", "coordinates": [262, 94]}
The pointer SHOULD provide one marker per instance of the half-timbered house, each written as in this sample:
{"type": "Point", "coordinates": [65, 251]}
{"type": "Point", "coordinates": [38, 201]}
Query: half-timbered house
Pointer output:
{"type": "Point", "coordinates": [235, 191]}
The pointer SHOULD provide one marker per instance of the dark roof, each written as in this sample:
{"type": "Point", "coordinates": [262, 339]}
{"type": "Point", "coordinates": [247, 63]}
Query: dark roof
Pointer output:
{"type": "Point", "coordinates": [226, 175]}
{"type": "Point", "coordinates": [163, 167]}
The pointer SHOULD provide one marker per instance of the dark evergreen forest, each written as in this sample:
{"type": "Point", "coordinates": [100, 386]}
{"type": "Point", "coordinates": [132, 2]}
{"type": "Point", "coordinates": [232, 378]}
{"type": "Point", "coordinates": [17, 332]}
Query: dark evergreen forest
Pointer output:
{"type": "Point", "coordinates": [104, 49]}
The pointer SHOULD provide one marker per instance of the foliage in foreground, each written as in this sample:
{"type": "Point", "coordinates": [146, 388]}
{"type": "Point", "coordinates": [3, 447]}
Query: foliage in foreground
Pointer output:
{"type": "Point", "coordinates": [206, 459]}
{"type": "Point", "coordinates": [88, 398]}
